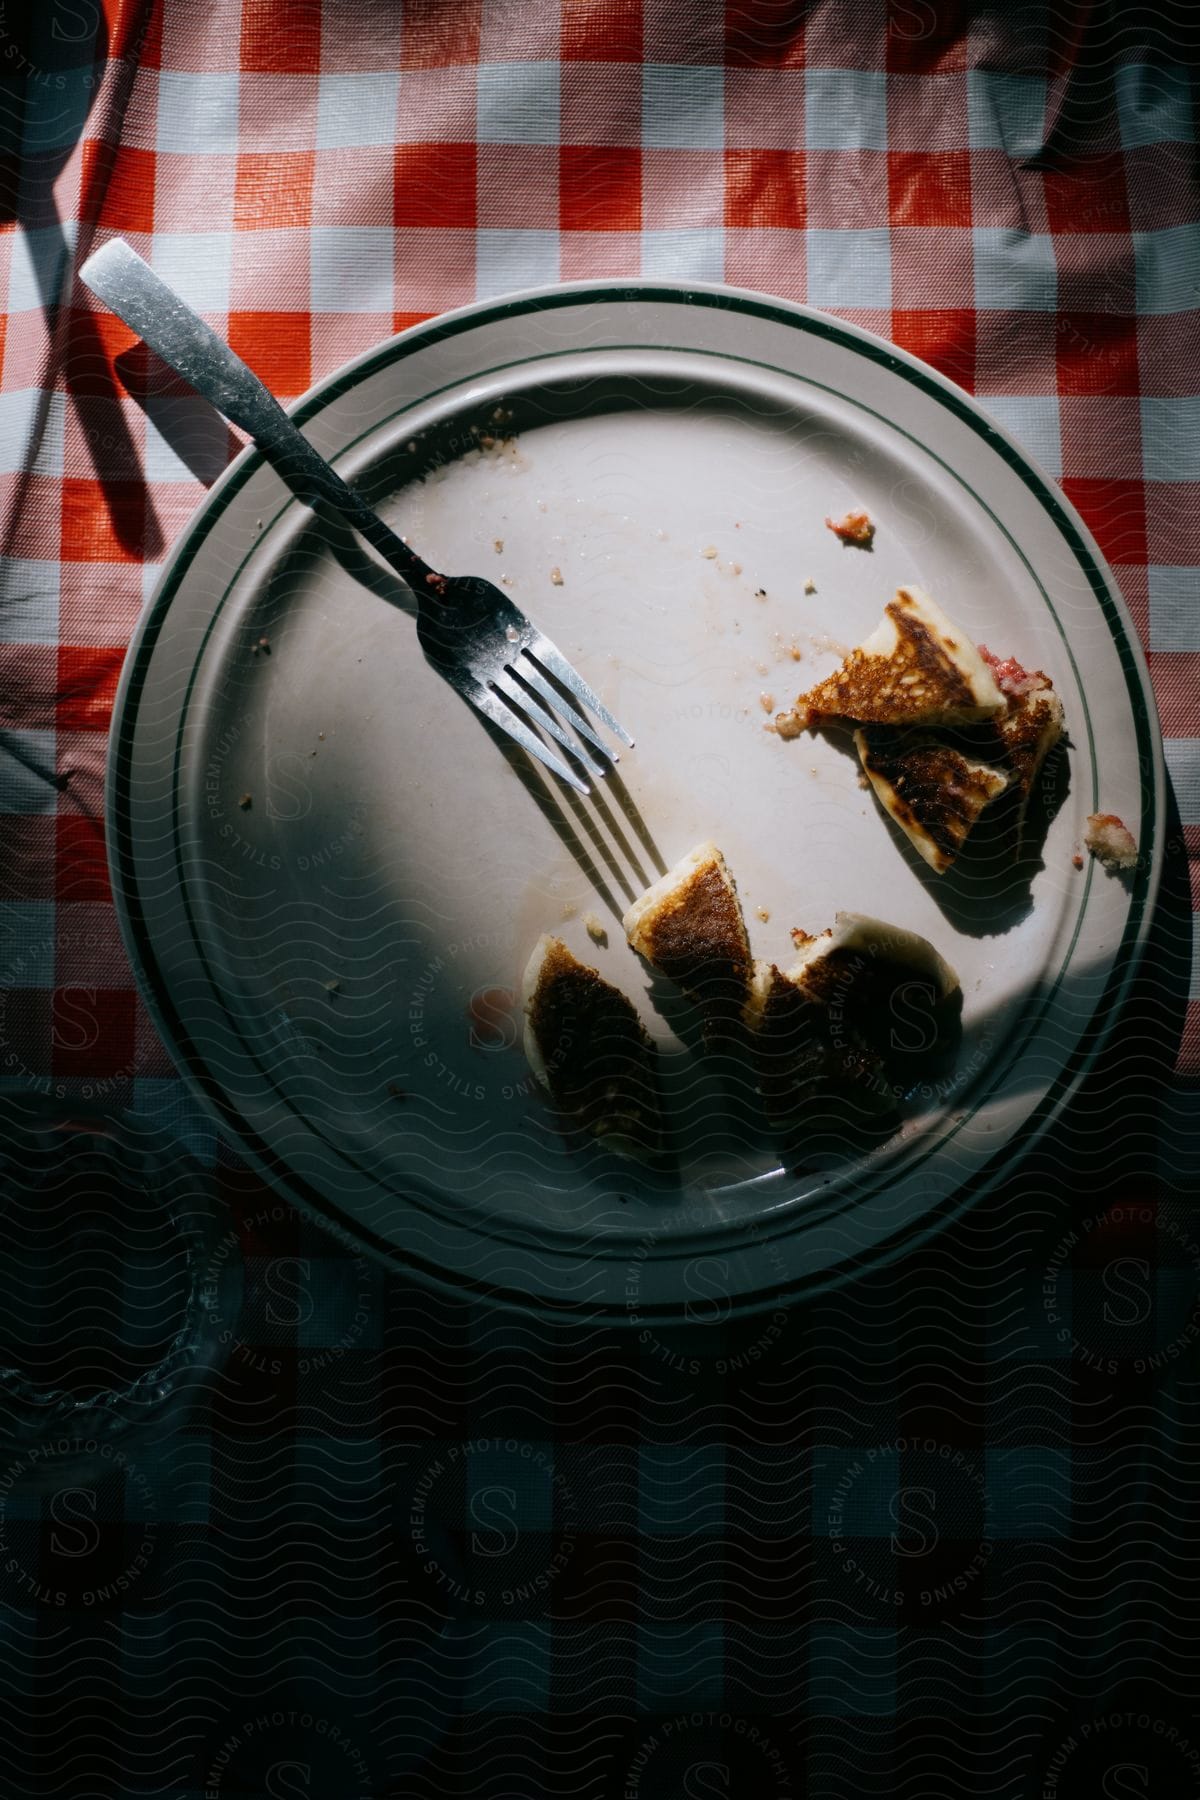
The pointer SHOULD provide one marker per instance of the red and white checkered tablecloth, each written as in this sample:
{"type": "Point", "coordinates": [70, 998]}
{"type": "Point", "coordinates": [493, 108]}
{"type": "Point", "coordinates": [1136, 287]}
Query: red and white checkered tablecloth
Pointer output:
{"type": "Point", "coordinates": [1013, 198]}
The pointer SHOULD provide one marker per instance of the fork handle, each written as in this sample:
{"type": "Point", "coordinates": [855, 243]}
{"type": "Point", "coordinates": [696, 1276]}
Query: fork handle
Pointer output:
{"type": "Point", "coordinates": [129, 286]}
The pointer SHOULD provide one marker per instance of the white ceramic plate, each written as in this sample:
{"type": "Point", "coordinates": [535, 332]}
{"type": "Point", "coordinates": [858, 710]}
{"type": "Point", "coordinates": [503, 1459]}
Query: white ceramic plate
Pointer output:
{"type": "Point", "coordinates": [390, 848]}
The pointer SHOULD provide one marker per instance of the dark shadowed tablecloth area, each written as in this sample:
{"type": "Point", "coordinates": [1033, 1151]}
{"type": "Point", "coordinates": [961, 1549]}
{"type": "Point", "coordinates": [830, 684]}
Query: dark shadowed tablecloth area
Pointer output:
{"type": "Point", "coordinates": [933, 1536]}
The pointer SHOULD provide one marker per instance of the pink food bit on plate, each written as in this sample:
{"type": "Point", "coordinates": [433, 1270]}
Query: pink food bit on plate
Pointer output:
{"type": "Point", "coordinates": [854, 527]}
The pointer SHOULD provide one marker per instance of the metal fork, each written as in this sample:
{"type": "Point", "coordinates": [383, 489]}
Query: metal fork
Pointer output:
{"type": "Point", "coordinates": [471, 632]}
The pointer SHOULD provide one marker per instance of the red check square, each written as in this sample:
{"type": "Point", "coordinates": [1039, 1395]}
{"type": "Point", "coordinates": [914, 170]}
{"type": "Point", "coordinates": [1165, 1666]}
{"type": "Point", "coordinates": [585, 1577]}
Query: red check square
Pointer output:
{"type": "Point", "coordinates": [929, 187]}
{"type": "Point", "coordinates": [277, 347]}
{"type": "Point", "coordinates": [1115, 512]}
{"type": "Point", "coordinates": [103, 521]}
{"type": "Point", "coordinates": [600, 188]}
{"type": "Point", "coordinates": [281, 44]}
{"type": "Point", "coordinates": [92, 1032]}
{"type": "Point", "coordinates": [943, 337]}
{"type": "Point", "coordinates": [1087, 193]}
{"type": "Point", "coordinates": [122, 180]}
{"type": "Point", "coordinates": [602, 31]}
{"type": "Point", "coordinates": [435, 186]}
{"type": "Point", "coordinates": [765, 187]}
{"type": "Point", "coordinates": [82, 865]}
{"type": "Point", "coordinates": [87, 686]}
{"type": "Point", "coordinates": [273, 191]}
{"type": "Point", "coordinates": [1097, 353]}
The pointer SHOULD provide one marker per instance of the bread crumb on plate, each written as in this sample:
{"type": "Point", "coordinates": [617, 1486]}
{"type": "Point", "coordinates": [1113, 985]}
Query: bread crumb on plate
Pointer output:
{"type": "Point", "coordinates": [1111, 842]}
{"type": "Point", "coordinates": [595, 927]}
{"type": "Point", "coordinates": [854, 527]}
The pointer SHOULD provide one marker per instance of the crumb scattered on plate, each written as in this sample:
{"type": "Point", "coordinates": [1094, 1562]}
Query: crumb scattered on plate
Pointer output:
{"type": "Point", "coordinates": [810, 586]}
{"type": "Point", "coordinates": [760, 593]}
{"type": "Point", "coordinates": [245, 803]}
{"type": "Point", "coordinates": [1111, 842]}
{"type": "Point", "coordinates": [498, 546]}
{"type": "Point", "coordinates": [854, 527]}
{"type": "Point", "coordinates": [595, 927]}
{"type": "Point", "coordinates": [788, 725]}
{"type": "Point", "coordinates": [763, 914]}
{"type": "Point", "coordinates": [767, 702]}
{"type": "Point", "coordinates": [556, 576]}
{"type": "Point", "coordinates": [569, 909]}
{"type": "Point", "coordinates": [709, 552]}
{"type": "Point", "coordinates": [1077, 861]}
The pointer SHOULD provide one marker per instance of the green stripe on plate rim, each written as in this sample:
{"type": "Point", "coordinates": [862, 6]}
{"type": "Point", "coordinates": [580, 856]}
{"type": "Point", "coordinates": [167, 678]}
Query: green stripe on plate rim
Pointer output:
{"type": "Point", "coordinates": [421, 337]}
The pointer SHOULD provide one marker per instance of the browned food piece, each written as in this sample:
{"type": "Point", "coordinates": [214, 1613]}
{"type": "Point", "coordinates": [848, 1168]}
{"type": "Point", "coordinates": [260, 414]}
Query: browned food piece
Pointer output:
{"type": "Point", "coordinates": [1029, 729]}
{"type": "Point", "coordinates": [807, 1074]}
{"type": "Point", "coordinates": [916, 668]}
{"type": "Point", "coordinates": [854, 527]}
{"type": "Point", "coordinates": [933, 791]}
{"type": "Point", "coordinates": [689, 926]}
{"type": "Point", "coordinates": [1111, 842]}
{"type": "Point", "coordinates": [590, 1051]}
{"type": "Point", "coordinates": [883, 987]}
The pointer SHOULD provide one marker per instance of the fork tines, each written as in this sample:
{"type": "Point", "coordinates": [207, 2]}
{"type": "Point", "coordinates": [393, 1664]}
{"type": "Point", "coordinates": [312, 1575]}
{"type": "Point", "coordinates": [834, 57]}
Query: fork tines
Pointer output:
{"type": "Point", "coordinates": [531, 684]}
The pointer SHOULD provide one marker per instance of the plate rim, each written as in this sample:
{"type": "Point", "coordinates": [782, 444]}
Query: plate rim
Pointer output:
{"type": "Point", "coordinates": [1096, 1034]}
